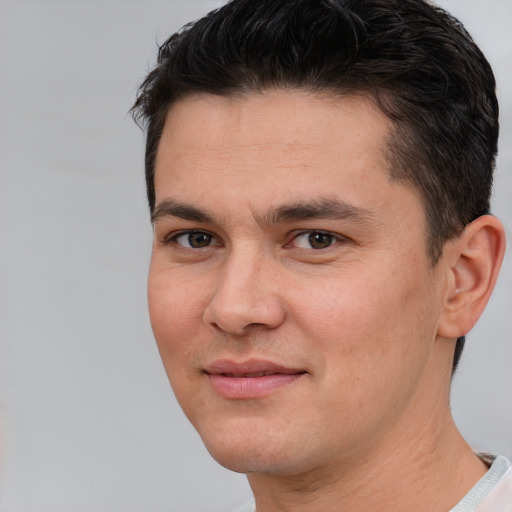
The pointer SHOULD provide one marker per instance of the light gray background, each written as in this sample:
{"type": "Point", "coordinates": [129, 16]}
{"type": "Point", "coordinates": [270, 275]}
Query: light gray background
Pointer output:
{"type": "Point", "coordinates": [88, 422]}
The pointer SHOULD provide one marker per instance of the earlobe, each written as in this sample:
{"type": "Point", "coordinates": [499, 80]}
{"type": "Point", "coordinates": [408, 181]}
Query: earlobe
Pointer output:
{"type": "Point", "coordinates": [474, 262]}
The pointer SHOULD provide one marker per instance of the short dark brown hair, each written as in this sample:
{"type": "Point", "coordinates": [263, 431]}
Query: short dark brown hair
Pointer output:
{"type": "Point", "coordinates": [417, 61]}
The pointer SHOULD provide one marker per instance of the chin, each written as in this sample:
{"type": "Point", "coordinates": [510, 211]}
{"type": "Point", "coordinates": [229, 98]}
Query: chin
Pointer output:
{"type": "Point", "coordinates": [254, 451]}
{"type": "Point", "coordinates": [249, 462]}
{"type": "Point", "coordinates": [239, 453]}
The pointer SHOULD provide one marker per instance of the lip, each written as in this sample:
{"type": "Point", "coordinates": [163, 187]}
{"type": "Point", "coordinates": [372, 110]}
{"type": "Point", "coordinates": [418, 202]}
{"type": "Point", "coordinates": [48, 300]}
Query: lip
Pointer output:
{"type": "Point", "coordinates": [250, 379]}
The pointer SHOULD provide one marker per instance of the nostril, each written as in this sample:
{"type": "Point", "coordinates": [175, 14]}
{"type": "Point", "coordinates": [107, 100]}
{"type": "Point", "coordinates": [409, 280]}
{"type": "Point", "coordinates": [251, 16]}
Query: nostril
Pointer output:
{"type": "Point", "coordinates": [239, 317]}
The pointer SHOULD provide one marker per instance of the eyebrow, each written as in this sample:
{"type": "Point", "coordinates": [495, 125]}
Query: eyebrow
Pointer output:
{"type": "Point", "coordinates": [318, 209]}
{"type": "Point", "coordinates": [292, 212]}
{"type": "Point", "coordinates": [170, 208]}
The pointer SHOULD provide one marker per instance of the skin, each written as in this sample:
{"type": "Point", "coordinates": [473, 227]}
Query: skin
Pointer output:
{"type": "Point", "coordinates": [363, 315]}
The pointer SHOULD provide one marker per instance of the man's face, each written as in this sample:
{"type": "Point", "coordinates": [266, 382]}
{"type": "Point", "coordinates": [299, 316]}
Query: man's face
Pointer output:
{"type": "Point", "coordinates": [290, 292]}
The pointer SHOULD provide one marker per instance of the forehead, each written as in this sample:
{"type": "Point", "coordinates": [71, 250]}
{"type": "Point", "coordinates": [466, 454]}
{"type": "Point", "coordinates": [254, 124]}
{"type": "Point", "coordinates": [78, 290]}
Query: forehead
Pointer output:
{"type": "Point", "coordinates": [294, 118]}
{"type": "Point", "coordinates": [257, 149]}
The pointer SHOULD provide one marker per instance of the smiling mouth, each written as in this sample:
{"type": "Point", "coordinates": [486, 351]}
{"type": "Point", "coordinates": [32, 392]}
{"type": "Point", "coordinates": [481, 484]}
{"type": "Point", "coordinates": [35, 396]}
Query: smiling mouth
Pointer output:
{"type": "Point", "coordinates": [251, 380]}
{"type": "Point", "coordinates": [254, 375]}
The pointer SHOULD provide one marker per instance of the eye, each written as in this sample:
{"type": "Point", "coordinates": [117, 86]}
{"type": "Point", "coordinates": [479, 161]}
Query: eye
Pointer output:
{"type": "Point", "coordinates": [193, 239]}
{"type": "Point", "coordinates": [315, 240]}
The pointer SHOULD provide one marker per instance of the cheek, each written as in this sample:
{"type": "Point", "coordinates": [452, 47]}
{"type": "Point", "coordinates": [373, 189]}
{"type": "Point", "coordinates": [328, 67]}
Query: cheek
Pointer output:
{"type": "Point", "coordinates": [175, 319]}
{"type": "Point", "coordinates": [347, 310]}
{"type": "Point", "coordinates": [371, 324]}
{"type": "Point", "coordinates": [371, 336]}
{"type": "Point", "coordinates": [175, 313]}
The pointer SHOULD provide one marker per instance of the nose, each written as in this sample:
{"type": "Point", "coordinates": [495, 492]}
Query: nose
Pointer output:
{"type": "Point", "coordinates": [246, 295]}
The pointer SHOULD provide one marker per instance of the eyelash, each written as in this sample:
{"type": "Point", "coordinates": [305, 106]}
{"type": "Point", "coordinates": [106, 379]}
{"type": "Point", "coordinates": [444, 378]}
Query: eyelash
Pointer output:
{"type": "Point", "coordinates": [173, 239]}
{"type": "Point", "coordinates": [332, 239]}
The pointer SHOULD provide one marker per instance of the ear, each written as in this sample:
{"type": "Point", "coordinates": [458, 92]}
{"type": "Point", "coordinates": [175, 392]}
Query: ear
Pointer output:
{"type": "Point", "coordinates": [473, 261]}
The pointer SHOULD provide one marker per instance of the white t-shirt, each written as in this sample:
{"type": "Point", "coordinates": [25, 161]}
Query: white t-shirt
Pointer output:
{"type": "Point", "coordinates": [492, 493]}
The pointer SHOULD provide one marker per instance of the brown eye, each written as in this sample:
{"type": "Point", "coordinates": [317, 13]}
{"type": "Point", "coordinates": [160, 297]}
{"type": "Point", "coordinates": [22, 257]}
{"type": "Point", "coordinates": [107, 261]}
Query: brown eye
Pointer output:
{"type": "Point", "coordinates": [194, 239]}
{"type": "Point", "coordinates": [320, 240]}
{"type": "Point", "coordinates": [198, 240]}
{"type": "Point", "coordinates": [315, 240]}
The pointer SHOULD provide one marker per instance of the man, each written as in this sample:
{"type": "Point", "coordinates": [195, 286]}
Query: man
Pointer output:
{"type": "Point", "coordinates": [318, 174]}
